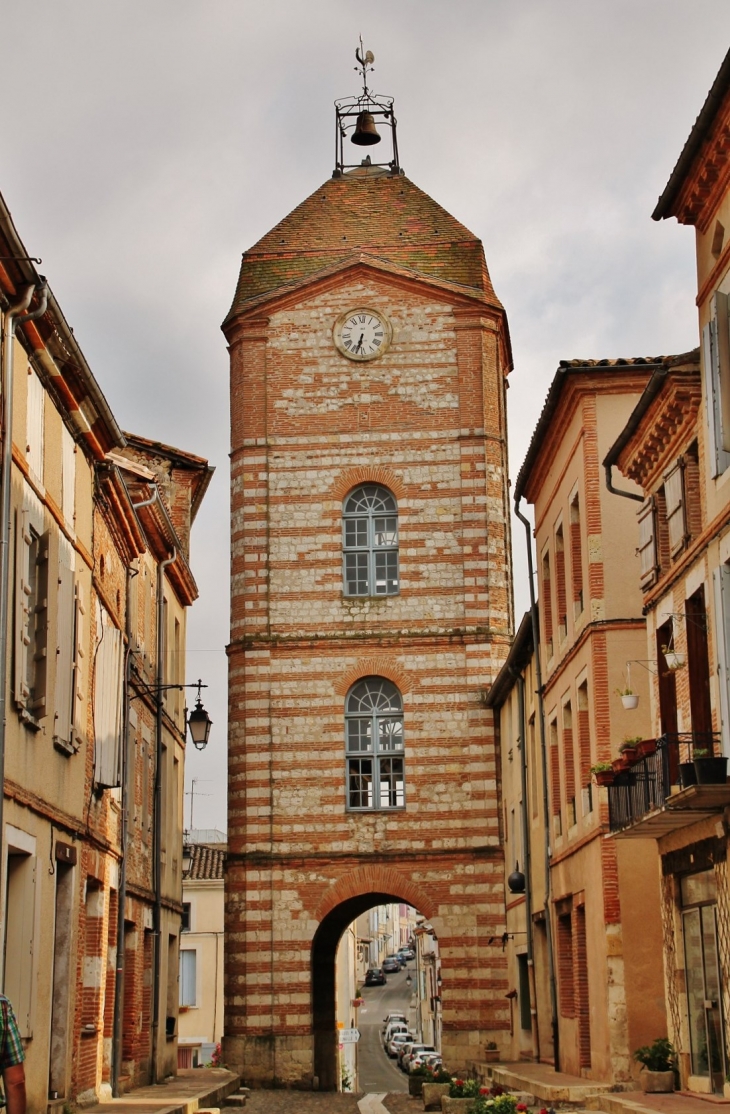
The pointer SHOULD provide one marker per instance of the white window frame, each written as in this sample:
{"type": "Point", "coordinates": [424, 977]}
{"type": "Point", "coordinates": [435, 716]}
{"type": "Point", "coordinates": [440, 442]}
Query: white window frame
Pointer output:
{"type": "Point", "coordinates": [374, 746]}
{"type": "Point", "coordinates": [370, 561]}
{"type": "Point", "coordinates": [188, 977]}
{"type": "Point", "coordinates": [716, 369]}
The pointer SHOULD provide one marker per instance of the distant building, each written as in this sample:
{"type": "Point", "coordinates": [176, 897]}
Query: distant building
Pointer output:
{"type": "Point", "coordinates": [201, 952]}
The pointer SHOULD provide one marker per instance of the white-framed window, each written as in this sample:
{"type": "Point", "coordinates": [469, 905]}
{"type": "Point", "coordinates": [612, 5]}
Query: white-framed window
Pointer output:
{"type": "Point", "coordinates": [675, 507]}
{"type": "Point", "coordinates": [374, 745]}
{"type": "Point", "coordinates": [188, 977]}
{"type": "Point", "coordinates": [370, 542]}
{"type": "Point", "coordinates": [108, 678]}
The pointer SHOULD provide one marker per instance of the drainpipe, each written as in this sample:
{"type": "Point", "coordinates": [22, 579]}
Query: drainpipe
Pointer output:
{"type": "Point", "coordinates": [545, 802]}
{"type": "Point", "coordinates": [157, 849]}
{"type": "Point", "coordinates": [127, 760]}
{"type": "Point", "coordinates": [12, 317]}
{"type": "Point", "coordinates": [527, 853]}
{"type": "Point", "coordinates": [618, 490]}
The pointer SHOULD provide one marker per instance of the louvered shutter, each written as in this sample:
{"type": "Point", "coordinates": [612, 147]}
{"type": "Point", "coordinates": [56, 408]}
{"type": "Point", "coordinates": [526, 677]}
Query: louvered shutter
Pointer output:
{"type": "Point", "coordinates": [108, 703]}
{"type": "Point", "coordinates": [65, 649]}
{"type": "Point", "coordinates": [674, 499]}
{"type": "Point", "coordinates": [648, 544]}
{"type": "Point", "coordinates": [79, 635]}
{"type": "Point", "coordinates": [720, 313]}
{"type": "Point", "coordinates": [23, 603]}
{"type": "Point", "coordinates": [721, 585]}
{"type": "Point", "coordinates": [719, 458]}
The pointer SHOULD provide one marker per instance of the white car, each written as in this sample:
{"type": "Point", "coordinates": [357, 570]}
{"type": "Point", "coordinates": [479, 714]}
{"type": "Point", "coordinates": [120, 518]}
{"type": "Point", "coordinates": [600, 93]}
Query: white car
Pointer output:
{"type": "Point", "coordinates": [392, 1029]}
{"type": "Point", "coordinates": [396, 1043]}
{"type": "Point", "coordinates": [414, 1050]}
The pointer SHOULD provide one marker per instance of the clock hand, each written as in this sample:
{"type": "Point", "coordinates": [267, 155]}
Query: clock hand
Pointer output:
{"type": "Point", "coordinates": [359, 343]}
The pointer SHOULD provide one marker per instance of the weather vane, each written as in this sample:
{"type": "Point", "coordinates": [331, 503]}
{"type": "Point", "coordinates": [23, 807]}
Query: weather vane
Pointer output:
{"type": "Point", "coordinates": [365, 60]}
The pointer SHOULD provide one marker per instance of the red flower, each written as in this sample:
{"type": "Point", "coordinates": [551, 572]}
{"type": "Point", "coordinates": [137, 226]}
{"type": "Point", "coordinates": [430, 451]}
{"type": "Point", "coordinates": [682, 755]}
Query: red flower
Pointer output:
{"type": "Point", "coordinates": [460, 1083]}
{"type": "Point", "coordinates": [485, 1091]}
{"type": "Point", "coordinates": [521, 1106]}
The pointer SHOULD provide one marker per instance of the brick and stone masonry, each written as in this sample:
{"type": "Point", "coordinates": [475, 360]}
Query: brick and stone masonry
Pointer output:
{"type": "Point", "coordinates": [427, 421]}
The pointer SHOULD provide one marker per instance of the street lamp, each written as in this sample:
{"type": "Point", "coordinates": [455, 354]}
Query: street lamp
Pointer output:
{"type": "Point", "coordinates": [409, 980]}
{"type": "Point", "coordinates": [199, 721]}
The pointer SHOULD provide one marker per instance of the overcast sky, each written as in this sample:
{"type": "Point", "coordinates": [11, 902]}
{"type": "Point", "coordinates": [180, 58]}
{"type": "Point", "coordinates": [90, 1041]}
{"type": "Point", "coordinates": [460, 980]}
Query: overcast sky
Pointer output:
{"type": "Point", "coordinates": [145, 145]}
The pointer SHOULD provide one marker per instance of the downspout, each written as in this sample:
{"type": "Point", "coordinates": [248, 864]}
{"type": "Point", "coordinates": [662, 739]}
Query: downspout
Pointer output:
{"type": "Point", "coordinates": [157, 849]}
{"type": "Point", "coordinates": [12, 317]}
{"type": "Point", "coordinates": [527, 853]}
{"type": "Point", "coordinates": [127, 759]}
{"type": "Point", "coordinates": [545, 800]}
{"type": "Point", "coordinates": [618, 490]}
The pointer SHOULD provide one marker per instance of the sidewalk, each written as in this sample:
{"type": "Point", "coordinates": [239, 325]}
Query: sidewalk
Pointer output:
{"type": "Point", "coordinates": [191, 1090]}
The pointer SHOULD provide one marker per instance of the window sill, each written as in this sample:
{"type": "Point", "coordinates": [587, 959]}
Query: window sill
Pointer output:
{"type": "Point", "coordinates": [366, 811]}
{"type": "Point", "coordinates": [28, 720]}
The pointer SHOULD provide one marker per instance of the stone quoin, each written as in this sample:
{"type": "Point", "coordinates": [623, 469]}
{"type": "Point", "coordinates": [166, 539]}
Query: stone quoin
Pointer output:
{"type": "Point", "coordinates": [424, 421]}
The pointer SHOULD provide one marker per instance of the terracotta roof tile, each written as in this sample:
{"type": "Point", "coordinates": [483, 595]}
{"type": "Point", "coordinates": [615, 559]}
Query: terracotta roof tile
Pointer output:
{"type": "Point", "coordinates": [388, 216]}
{"type": "Point", "coordinates": [206, 863]}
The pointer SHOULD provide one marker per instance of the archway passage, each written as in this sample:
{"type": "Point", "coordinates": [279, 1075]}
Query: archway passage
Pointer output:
{"type": "Point", "coordinates": [324, 952]}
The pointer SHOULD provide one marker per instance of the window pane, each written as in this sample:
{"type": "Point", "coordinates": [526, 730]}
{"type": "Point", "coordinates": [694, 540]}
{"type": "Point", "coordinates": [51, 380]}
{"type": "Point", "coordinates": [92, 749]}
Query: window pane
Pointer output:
{"type": "Point", "coordinates": [356, 574]}
{"type": "Point", "coordinates": [385, 531]}
{"type": "Point", "coordinates": [374, 694]}
{"type": "Point", "coordinates": [359, 735]}
{"type": "Point", "coordinates": [386, 573]}
{"type": "Point", "coordinates": [390, 734]}
{"type": "Point", "coordinates": [356, 533]}
{"type": "Point", "coordinates": [392, 789]}
{"type": "Point", "coordinates": [188, 972]}
{"type": "Point", "coordinates": [360, 779]}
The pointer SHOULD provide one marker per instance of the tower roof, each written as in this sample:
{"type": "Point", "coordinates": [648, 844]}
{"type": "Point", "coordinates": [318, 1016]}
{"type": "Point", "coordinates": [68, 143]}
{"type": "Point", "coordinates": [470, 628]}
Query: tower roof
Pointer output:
{"type": "Point", "coordinates": [385, 215]}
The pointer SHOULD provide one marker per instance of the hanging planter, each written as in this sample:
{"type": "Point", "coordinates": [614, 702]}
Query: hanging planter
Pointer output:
{"type": "Point", "coordinates": [630, 700]}
{"type": "Point", "coordinates": [674, 660]}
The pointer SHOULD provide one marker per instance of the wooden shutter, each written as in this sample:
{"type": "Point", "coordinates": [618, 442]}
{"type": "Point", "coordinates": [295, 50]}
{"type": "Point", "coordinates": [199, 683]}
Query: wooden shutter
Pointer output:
{"type": "Point", "coordinates": [719, 458]}
{"type": "Point", "coordinates": [65, 650]}
{"type": "Point", "coordinates": [23, 594]}
{"type": "Point", "coordinates": [34, 424]}
{"type": "Point", "coordinates": [675, 508]}
{"type": "Point", "coordinates": [647, 550]}
{"type": "Point", "coordinates": [721, 586]}
{"type": "Point", "coordinates": [720, 313]}
{"type": "Point", "coordinates": [39, 628]}
{"type": "Point", "coordinates": [68, 476]}
{"type": "Point", "coordinates": [79, 635]}
{"type": "Point", "coordinates": [108, 702]}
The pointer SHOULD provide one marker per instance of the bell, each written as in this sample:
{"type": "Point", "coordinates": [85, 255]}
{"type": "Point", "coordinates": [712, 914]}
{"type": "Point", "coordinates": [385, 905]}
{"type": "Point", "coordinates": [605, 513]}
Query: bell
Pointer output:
{"type": "Point", "coordinates": [365, 132]}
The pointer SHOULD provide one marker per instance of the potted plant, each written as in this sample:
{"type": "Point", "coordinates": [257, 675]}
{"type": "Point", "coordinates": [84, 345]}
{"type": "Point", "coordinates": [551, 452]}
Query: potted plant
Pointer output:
{"type": "Point", "coordinates": [491, 1053]}
{"type": "Point", "coordinates": [461, 1098]}
{"type": "Point", "coordinates": [417, 1078]}
{"type": "Point", "coordinates": [709, 770]}
{"type": "Point", "coordinates": [673, 659]}
{"type": "Point", "coordinates": [659, 1060]}
{"type": "Point", "coordinates": [629, 748]}
{"type": "Point", "coordinates": [646, 747]}
{"type": "Point", "coordinates": [433, 1091]}
{"type": "Point", "coordinates": [603, 773]}
{"type": "Point", "coordinates": [629, 698]}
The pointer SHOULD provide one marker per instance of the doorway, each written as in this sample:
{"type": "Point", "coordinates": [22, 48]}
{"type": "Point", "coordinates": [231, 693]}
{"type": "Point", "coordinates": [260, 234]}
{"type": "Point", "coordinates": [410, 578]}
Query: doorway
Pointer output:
{"type": "Point", "coordinates": [702, 972]}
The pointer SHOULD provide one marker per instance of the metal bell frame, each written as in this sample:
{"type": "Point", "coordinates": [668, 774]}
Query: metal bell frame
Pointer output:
{"type": "Point", "coordinates": [349, 109]}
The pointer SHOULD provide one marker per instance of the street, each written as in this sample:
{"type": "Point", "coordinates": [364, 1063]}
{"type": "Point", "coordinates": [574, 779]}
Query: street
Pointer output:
{"type": "Point", "coordinates": [378, 1073]}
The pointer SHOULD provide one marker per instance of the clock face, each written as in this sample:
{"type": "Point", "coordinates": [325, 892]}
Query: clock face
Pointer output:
{"type": "Point", "coordinates": [362, 334]}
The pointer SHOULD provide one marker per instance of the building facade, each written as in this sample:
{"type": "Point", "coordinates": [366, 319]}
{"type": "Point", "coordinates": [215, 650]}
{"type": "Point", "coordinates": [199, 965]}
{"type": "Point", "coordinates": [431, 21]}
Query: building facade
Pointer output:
{"type": "Point", "coordinates": [676, 448]}
{"type": "Point", "coordinates": [597, 930]}
{"type": "Point", "coordinates": [96, 615]}
{"type": "Point", "coordinates": [201, 954]}
{"type": "Point", "coordinates": [371, 603]}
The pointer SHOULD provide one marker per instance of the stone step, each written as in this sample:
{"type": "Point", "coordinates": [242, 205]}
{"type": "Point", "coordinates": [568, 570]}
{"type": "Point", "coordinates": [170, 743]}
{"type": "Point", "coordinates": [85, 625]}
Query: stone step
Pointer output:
{"type": "Point", "coordinates": [236, 1100]}
{"type": "Point", "coordinates": [563, 1089]}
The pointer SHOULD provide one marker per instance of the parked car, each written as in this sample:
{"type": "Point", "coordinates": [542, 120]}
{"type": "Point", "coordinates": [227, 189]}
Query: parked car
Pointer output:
{"type": "Point", "coordinates": [423, 1059]}
{"type": "Point", "coordinates": [407, 1047]}
{"type": "Point", "coordinates": [408, 1056]}
{"type": "Point", "coordinates": [406, 953]}
{"type": "Point", "coordinates": [394, 1028]}
{"type": "Point", "coordinates": [375, 976]}
{"type": "Point", "coordinates": [391, 963]}
{"type": "Point", "coordinates": [391, 1017]}
{"type": "Point", "coordinates": [396, 1042]}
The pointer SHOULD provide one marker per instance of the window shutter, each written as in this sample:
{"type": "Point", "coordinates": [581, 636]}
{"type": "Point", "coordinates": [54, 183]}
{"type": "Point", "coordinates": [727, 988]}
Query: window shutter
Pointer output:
{"type": "Point", "coordinates": [108, 703]}
{"type": "Point", "coordinates": [34, 424]}
{"type": "Point", "coordinates": [77, 698]}
{"type": "Point", "coordinates": [65, 647]}
{"type": "Point", "coordinates": [719, 459]}
{"type": "Point", "coordinates": [23, 593]}
{"type": "Point", "coordinates": [674, 499]}
{"type": "Point", "coordinates": [39, 627]}
{"type": "Point", "coordinates": [720, 314]}
{"type": "Point", "coordinates": [648, 544]}
{"type": "Point", "coordinates": [68, 476]}
{"type": "Point", "coordinates": [721, 585]}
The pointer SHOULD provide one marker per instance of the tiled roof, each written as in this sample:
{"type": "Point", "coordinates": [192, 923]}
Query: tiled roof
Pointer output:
{"type": "Point", "coordinates": [385, 215]}
{"type": "Point", "coordinates": [206, 863]}
{"type": "Point", "coordinates": [568, 367]}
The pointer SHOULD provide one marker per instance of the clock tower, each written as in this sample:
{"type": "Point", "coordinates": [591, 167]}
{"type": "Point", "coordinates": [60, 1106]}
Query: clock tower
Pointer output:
{"type": "Point", "coordinates": [370, 607]}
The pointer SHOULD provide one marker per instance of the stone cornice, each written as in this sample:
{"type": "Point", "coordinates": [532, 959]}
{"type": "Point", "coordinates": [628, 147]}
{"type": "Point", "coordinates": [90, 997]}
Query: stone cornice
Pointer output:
{"type": "Point", "coordinates": [709, 177]}
{"type": "Point", "coordinates": [668, 424]}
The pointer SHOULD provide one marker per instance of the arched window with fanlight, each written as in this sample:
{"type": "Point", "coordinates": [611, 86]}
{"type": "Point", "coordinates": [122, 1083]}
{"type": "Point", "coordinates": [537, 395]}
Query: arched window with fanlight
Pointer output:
{"type": "Point", "coordinates": [370, 542]}
{"type": "Point", "coordinates": [374, 745]}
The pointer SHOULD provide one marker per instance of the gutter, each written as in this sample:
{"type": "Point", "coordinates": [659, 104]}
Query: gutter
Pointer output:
{"type": "Point", "coordinates": [651, 390]}
{"type": "Point", "coordinates": [527, 864]}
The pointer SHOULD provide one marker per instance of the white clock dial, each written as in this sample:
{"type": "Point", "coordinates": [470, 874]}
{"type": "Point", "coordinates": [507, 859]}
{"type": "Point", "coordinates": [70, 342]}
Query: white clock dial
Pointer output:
{"type": "Point", "coordinates": [362, 334]}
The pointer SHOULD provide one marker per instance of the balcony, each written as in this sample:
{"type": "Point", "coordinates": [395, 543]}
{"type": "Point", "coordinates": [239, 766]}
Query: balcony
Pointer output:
{"type": "Point", "coordinates": [683, 781]}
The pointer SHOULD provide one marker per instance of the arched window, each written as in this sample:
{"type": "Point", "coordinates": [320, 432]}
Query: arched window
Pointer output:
{"type": "Point", "coordinates": [370, 542]}
{"type": "Point", "coordinates": [374, 745]}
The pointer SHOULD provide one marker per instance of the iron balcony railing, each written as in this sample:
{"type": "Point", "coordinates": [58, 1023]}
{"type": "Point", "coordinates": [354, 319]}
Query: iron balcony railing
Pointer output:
{"type": "Point", "coordinates": [648, 782]}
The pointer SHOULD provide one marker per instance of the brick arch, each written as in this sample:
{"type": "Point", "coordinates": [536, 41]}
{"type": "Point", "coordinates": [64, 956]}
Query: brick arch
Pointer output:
{"type": "Point", "coordinates": [375, 879]}
{"type": "Point", "coordinates": [368, 474]}
{"type": "Point", "coordinates": [380, 666]}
